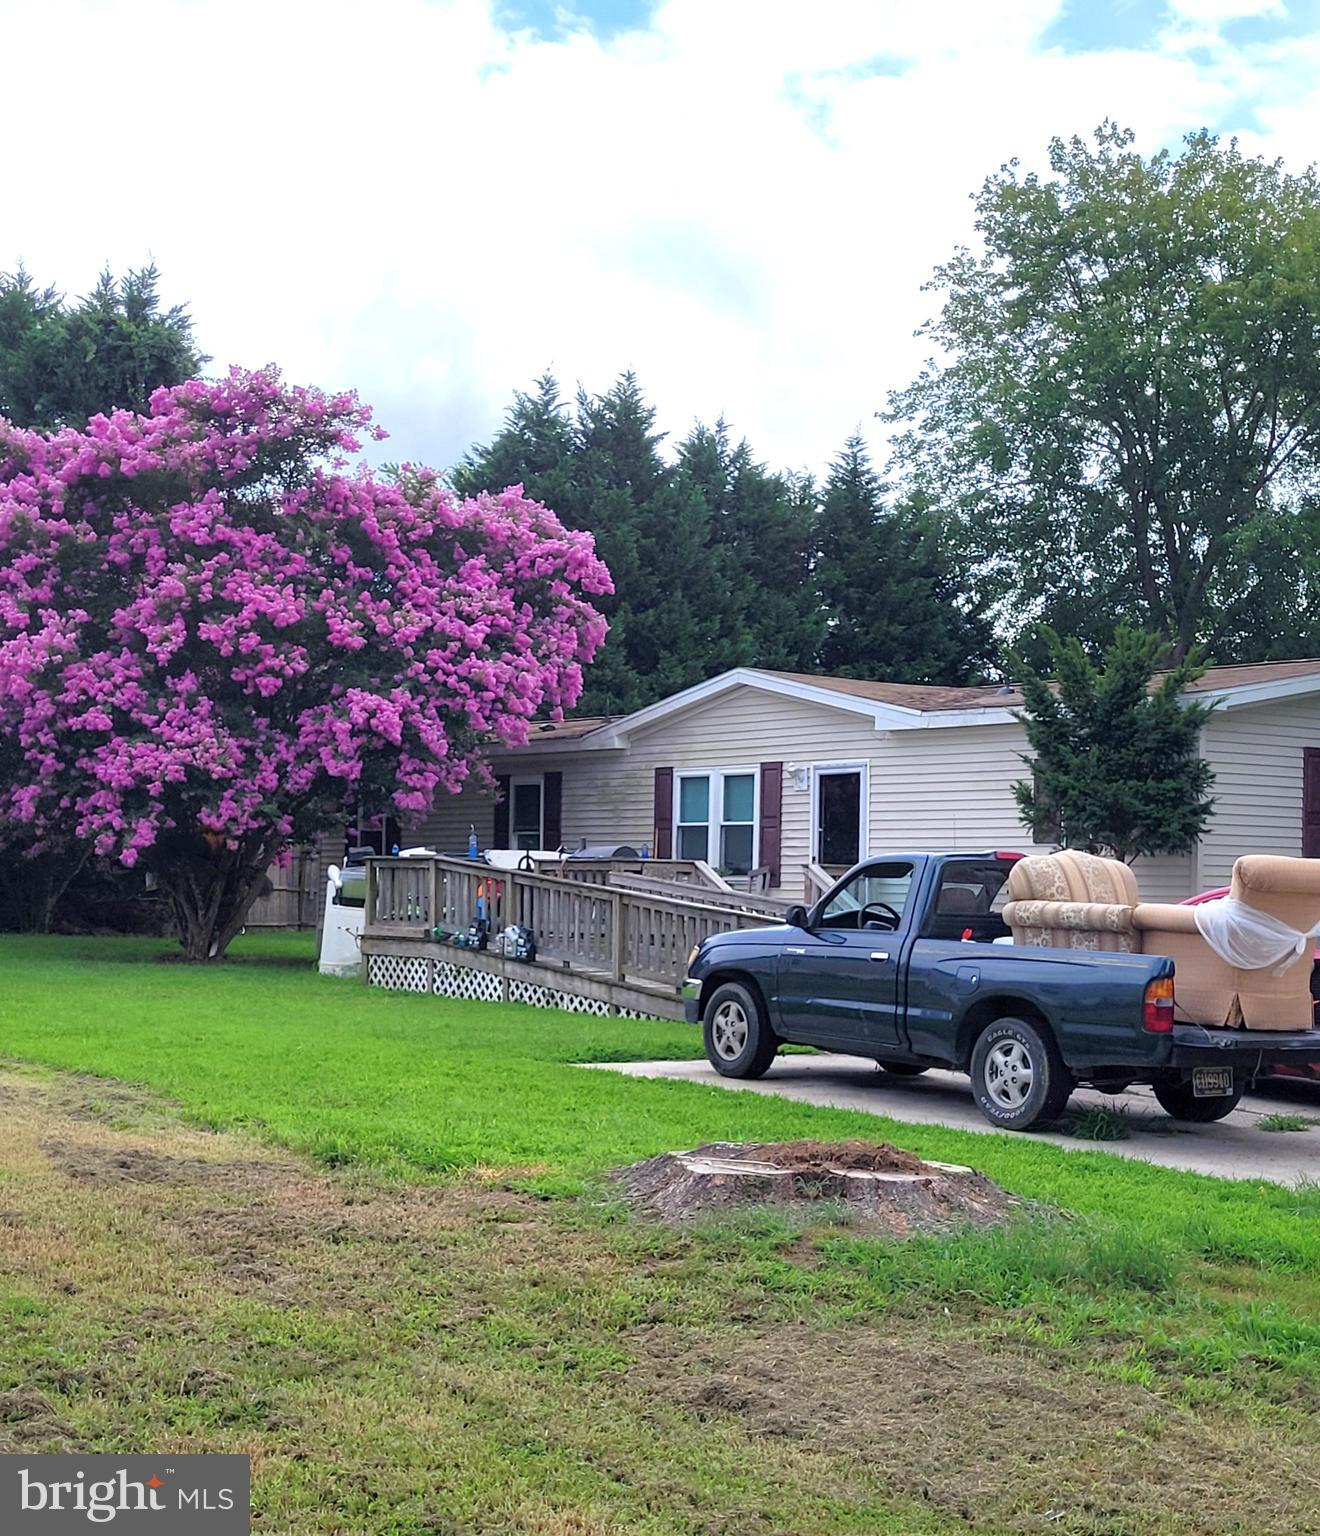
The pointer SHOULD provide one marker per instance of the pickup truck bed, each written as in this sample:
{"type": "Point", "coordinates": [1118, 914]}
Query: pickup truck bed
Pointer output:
{"type": "Point", "coordinates": [898, 962]}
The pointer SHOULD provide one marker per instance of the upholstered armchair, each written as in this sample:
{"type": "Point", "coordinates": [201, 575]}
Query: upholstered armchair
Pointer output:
{"type": "Point", "coordinates": [1208, 988]}
{"type": "Point", "coordinates": [1072, 900]}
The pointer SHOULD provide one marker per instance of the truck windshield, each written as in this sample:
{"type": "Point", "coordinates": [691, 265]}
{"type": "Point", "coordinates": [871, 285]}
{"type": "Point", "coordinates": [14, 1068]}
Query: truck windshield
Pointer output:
{"type": "Point", "coordinates": [875, 897]}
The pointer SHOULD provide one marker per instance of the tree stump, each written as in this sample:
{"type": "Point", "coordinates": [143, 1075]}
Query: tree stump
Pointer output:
{"type": "Point", "coordinates": [883, 1188]}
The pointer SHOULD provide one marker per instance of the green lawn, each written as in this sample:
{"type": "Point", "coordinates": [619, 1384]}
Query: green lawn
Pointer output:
{"type": "Point", "coordinates": [1200, 1294]}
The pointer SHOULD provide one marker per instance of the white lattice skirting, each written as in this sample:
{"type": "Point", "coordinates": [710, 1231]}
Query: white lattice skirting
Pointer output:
{"type": "Point", "coordinates": [467, 981]}
{"type": "Point", "coordinates": [398, 973]}
{"type": "Point", "coordinates": [445, 978]}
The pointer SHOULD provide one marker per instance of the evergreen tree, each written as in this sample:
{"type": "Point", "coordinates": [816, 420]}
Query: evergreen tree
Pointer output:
{"type": "Point", "coordinates": [891, 600]}
{"type": "Point", "coordinates": [618, 477]}
{"type": "Point", "coordinates": [601, 469]}
{"type": "Point", "coordinates": [1117, 768]}
{"type": "Point", "coordinates": [764, 527]}
{"type": "Point", "coordinates": [60, 363]}
{"type": "Point", "coordinates": [536, 448]}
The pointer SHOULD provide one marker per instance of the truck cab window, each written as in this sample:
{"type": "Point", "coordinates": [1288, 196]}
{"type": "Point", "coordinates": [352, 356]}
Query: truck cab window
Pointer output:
{"type": "Point", "coordinates": [874, 898]}
{"type": "Point", "coordinates": [969, 902]}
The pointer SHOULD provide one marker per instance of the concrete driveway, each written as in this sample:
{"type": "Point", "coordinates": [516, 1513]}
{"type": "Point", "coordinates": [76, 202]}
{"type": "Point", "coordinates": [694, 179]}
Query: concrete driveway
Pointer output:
{"type": "Point", "coordinates": [1233, 1148]}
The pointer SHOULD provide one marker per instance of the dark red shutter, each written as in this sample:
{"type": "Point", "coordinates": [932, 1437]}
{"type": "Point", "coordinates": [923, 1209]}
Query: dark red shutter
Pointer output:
{"type": "Point", "coordinates": [664, 814]}
{"type": "Point", "coordinates": [1311, 802]}
{"type": "Point", "coordinates": [552, 809]}
{"type": "Point", "coordinates": [772, 817]}
{"type": "Point", "coordinates": [501, 838]}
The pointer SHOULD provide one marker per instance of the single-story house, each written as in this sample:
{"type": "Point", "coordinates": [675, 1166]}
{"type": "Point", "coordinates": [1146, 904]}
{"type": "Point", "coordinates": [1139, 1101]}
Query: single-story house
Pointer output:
{"type": "Point", "coordinates": [778, 770]}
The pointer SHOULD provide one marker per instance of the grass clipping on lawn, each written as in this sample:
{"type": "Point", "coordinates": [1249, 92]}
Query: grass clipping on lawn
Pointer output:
{"type": "Point", "coordinates": [878, 1188]}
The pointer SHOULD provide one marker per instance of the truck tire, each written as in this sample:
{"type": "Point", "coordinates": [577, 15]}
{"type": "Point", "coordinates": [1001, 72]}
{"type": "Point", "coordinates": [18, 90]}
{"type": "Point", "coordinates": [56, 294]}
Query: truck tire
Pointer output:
{"type": "Point", "coordinates": [1177, 1100]}
{"type": "Point", "coordinates": [1019, 1080]}
{"type": "Point", "coordinates": [738, 1041]}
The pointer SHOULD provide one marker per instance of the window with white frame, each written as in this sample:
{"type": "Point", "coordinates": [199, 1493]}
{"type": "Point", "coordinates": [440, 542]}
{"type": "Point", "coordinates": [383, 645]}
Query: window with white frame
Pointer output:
{"type": "Point", "coordinates": [716, 818]}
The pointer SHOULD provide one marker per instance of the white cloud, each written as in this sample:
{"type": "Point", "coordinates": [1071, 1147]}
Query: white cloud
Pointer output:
{"type": "Point", "coordinates": [740, 201]}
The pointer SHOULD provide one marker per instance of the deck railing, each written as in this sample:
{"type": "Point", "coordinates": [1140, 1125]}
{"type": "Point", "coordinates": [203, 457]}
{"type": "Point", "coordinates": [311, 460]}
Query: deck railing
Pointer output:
{"type": "Point", "coordinates": [817, 879]}
{"type": "Point", "coordinates": [736, 901]}
{"type": "Point", "coordinates": [693, 872]}
{"type": "Point", "coordinates": [609, 930]}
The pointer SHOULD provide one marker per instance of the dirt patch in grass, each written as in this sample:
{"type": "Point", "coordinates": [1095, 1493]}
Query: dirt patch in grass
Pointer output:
{"type": "Point", "coordinates": [98, 1163]}
{"type": "Point", "coordinates": [105, 1102]}
{"type": "Point", "coordinates": [995, 1438]}
{"type": "Point", "coordinates": [876, 1188]}
{"type": "Point", "coordinates": [28, 1421]}
{"type": "Point", "coordinates": [262, 1225]}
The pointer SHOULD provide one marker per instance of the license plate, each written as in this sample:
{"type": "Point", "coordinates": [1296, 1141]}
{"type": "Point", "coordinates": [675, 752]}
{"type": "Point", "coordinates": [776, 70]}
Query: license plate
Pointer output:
{"type": "Point", "coordinates": [1211, 1082]}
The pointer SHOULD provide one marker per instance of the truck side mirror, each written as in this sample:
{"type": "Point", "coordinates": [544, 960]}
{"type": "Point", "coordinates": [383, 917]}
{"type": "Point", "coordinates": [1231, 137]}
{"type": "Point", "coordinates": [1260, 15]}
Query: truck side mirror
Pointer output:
{"type": "Point", "coordinates": [796, 917]}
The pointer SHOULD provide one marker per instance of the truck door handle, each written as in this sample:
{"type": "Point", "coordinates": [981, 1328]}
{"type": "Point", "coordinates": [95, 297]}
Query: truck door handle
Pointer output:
{"type": "Point", "coordinates": [879, 954]}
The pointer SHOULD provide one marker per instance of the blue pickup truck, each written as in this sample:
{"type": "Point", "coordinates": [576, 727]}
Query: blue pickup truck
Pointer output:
{"type": "Point", "coordinates": [898, 962]}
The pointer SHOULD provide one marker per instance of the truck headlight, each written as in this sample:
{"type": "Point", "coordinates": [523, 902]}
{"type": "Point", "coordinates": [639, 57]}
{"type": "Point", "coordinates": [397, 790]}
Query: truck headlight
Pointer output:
{"type": "Point", "coordinates": [692, 955]}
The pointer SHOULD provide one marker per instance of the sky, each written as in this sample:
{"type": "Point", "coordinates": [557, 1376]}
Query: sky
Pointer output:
{"type": "Point", "coordinates": [435, 201]}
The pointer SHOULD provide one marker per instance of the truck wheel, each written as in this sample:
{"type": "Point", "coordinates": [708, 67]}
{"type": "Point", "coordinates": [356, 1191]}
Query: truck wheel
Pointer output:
{"type": "Point", "coordinates": [1177, 1100]}
{"type": "Point", "coordinates": [902, 1068]}
{"type": "Point", "coordinates": [739, 1042]}
{"type": "Point", "coordinates": [1019, 1080]}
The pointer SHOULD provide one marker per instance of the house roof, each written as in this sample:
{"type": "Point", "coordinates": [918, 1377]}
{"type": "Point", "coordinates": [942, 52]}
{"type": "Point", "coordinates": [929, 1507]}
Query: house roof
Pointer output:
{"type": "Point", "coordinates": [575, 725]}
{"type": "Point", "coordinates": [927, 698]}
{"type": "Point", "coordinates": [923, 697]}
{"type": "Point", "coordinates": [558, 735]}
{"type": "Point", "coordinates": [1254, 674]}
{"type": "Point", "coordinates": [905, 706]}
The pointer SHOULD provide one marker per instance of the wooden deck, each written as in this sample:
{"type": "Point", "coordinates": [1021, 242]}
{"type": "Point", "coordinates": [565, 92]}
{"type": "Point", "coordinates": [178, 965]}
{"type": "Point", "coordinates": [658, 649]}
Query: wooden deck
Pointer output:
{"type": "Point", "coordinates": [613, 942]}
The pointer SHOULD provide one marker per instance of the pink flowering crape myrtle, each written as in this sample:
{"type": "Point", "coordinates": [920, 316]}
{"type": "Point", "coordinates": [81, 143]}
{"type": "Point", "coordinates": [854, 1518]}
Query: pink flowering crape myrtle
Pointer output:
{"type": "Point", "coordinates": [213, 634]}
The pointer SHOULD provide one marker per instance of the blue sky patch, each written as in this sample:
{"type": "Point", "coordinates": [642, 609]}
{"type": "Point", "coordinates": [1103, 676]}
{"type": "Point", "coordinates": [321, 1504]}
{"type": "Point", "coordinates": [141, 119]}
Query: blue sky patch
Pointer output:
{"type": "Point", "coordinates": [1098, 26]}
{"type": "Point", "coordinates": [606, 18]}
{"type": "Point", "coordinates": [1300, 16]}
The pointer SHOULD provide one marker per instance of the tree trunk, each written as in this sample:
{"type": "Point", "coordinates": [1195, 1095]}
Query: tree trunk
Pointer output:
{"type": "Point", "coordinates": [211, 889]}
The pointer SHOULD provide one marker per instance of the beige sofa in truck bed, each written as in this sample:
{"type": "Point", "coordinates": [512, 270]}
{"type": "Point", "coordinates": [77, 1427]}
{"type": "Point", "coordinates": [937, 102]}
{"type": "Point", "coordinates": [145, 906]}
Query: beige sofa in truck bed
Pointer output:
{"type": "Point", "coordinates": [1209, 990]}
{"type": "Point", "coordinates": [1077, 900]}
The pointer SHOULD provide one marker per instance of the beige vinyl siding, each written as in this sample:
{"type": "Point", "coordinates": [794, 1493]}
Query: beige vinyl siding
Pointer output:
{"type": "Point", "coordinates": [608, 795]}
{"type": "Point", "coordinates": [1256, 752]}
{"type": "Point", "coordinates": [936, 788]}
{"type": "Point", "coordinates": [747, 727]}
{"type": "Point", "coordinates": [947, 787]}
{"type": "Point", "coordinates": [604, 800]}
{"type": "Point", "coordinates": [446, 828]}
{"type": "Point", "coordinates": [952, 787]}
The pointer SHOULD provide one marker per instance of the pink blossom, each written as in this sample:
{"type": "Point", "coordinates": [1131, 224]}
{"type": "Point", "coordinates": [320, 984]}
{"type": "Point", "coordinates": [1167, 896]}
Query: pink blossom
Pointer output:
{"type": "Point", "coordinates": [206, 625]}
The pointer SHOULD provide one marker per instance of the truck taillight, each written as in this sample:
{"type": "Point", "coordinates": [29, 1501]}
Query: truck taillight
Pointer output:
{"type": "Point", "coordinates": [1157, 1012]}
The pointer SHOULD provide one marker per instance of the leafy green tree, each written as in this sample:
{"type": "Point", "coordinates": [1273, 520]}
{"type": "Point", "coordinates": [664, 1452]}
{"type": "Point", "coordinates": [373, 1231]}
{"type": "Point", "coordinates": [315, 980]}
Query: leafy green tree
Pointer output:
{"type": "Point", "coordinates": [763, 525]}
{"type": "Point", "coordinates": [1116, 766]}
{"type": "Point", "coordinates": [889, 596]}
{"type": "Point", "coordinates": [61, 363]}
{"type": "Point", "coordinates": [1126, 424]}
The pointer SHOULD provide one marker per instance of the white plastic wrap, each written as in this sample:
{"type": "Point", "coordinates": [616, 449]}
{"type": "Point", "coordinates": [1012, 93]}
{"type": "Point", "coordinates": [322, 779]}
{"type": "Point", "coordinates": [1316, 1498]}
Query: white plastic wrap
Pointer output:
{"type": "Point", "coordinates": [1250, 939]}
